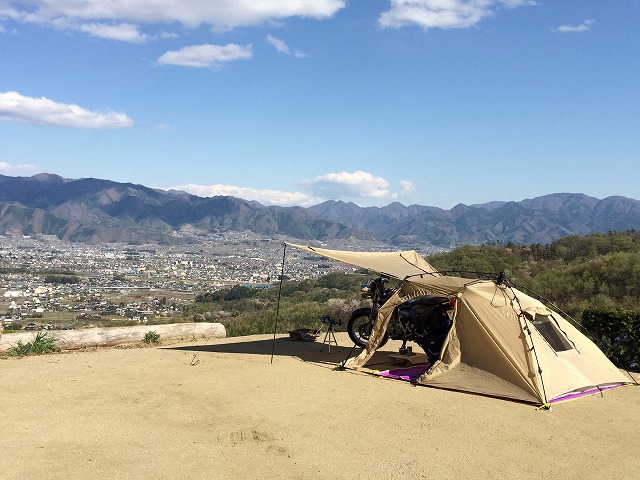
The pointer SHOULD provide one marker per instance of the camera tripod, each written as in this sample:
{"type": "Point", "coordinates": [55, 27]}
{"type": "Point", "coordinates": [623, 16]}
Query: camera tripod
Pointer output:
{"type": "Point", "coordinates": [330, 336]}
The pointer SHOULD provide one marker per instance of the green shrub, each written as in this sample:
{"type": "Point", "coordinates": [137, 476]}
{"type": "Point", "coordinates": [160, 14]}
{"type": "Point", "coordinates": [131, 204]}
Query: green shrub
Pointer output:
{"type": "Point", "coordinates": [617, 332]}
{"type": "Point", "coordinates": [42, 343]}
{"type": "Point", "coordinates": [151, 337]}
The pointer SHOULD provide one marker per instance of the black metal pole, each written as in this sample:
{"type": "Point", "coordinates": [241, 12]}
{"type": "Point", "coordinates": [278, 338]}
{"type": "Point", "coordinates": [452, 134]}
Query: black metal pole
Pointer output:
{"type": "Point", "coordinates": [275, 326]}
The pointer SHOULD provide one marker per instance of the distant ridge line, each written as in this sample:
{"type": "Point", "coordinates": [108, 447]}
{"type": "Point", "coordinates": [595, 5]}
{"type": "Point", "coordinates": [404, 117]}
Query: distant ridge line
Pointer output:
{"type": "Point", "coordinates": [98, 211]}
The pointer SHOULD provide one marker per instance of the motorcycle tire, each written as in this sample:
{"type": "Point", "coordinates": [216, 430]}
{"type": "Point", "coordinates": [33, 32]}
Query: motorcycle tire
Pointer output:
{"type": "Point", "coordinates": [358, 326]}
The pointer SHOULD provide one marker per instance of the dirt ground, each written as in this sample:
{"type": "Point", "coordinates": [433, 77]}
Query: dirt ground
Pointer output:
{"type": "Point", "coordinates": [222, 410]}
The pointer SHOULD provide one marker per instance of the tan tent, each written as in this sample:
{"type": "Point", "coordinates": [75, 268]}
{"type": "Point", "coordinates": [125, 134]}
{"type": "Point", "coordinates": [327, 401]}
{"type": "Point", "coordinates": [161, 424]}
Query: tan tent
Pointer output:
{"type": "Point", "coordinates": [502, 342]}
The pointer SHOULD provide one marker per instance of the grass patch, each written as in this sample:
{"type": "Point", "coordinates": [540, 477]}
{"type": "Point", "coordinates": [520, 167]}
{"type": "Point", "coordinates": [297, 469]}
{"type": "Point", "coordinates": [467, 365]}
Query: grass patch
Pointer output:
{"type": "Point", "coordinates": [151, 337]}
{"type": "Point", "coordinates": [42, 343]}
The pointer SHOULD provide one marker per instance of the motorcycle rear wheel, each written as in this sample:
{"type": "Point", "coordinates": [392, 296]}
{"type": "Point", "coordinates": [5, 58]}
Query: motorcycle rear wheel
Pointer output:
{"type": "Point", "coordinates": [359, 328]}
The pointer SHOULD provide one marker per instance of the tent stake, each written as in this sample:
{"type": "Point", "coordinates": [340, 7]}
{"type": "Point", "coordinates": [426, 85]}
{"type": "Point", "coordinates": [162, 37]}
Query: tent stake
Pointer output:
{"type": "Point", "coordinates": [275, 326]}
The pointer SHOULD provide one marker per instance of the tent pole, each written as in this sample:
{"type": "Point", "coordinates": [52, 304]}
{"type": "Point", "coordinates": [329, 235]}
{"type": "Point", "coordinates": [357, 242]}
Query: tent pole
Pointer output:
{"type": "Point", "coordinates": [527, 330]}
{"type": "Point", "coordinates": [275, 326]}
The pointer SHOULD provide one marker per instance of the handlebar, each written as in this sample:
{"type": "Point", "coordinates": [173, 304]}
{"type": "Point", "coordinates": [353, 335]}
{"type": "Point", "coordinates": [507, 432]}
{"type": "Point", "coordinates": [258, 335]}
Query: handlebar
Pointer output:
{"type": "Point", "coordinates": [374, 287]}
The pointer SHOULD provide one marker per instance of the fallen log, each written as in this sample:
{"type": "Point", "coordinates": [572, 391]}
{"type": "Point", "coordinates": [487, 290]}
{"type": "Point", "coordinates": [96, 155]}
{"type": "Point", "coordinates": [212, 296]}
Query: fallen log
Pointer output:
{"type": "Point", "coordinates": [107, 337]}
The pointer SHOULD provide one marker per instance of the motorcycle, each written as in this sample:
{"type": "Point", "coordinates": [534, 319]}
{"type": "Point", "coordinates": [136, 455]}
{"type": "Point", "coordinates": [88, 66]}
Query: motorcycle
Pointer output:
{"type": "Point", "coordinates": [424, 320]}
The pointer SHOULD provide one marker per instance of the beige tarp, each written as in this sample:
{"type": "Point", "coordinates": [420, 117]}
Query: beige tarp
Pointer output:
{"type": "Point", "coordinates": [401, 265]}
{"type": "Point", "coordinates": [502, 343]}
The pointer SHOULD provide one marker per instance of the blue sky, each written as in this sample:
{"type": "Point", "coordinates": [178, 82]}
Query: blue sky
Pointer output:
{"type": "Point", "coordinates": [293, 102]}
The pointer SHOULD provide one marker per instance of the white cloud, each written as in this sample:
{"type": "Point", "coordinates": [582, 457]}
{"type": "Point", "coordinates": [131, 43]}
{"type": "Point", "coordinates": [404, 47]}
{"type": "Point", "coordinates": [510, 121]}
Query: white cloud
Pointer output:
{"type": "Point", "coordinates": [165, 34]}
{"type": "Point", "coordinates": [336, 186]}
{"type": "Point", "coordinates": [219, 14]}
{"type": "Point", "coordinates": [583, 27]}
{"type": "Point", "coordinates": [443, 14]}
{"type": "Point", "coordinates": [282, 47]}
{"type": "Point", "coordinates": [124, 32]}
{"type": "Point", "coordinates": [164, 127]}
{"type": "Point", "coordinates": [44, 112]}
{"type": "Point", "coordinates": [265, 197]}
{"type": "Point", "coordinates": [25, 167]}
{"type": "Point", "coordinates": [407, 187]}
{"type": "Point", "coordinates": [356, 184]}
{"type": "Point", "coordinates": [205, 55]}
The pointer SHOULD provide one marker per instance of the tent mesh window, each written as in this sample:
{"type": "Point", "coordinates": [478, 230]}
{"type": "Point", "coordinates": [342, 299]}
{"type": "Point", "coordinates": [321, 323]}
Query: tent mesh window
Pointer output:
{"type": "Point", "coordinates": [551, 333]}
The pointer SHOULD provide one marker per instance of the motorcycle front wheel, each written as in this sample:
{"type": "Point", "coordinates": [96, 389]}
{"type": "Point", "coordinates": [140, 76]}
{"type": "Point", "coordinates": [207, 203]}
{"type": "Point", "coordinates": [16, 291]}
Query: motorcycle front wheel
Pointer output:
{"type": "Point", "coordinates": [359, 328]}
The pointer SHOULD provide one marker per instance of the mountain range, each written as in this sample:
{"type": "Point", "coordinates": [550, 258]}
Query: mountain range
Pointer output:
{"type": "Point", "coordinates": [98, 211]}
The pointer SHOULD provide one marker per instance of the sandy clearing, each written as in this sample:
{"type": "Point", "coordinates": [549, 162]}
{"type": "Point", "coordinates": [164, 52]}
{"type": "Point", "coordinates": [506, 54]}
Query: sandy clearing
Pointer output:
{"type": "Point", "coordinates": [223, 410]}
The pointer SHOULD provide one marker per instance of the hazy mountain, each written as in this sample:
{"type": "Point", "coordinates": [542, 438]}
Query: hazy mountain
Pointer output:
{"type": "Point", "coordinates": [93, 210]}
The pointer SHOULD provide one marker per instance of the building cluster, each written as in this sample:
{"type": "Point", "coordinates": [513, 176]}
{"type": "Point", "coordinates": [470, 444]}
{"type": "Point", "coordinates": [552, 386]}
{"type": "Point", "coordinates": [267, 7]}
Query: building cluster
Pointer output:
{"type": "Point", "coordinates": [44, 274]}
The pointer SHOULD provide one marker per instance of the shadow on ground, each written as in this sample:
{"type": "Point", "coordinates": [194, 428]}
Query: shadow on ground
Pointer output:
{"type": "Point", "coordinates": [315, 351]}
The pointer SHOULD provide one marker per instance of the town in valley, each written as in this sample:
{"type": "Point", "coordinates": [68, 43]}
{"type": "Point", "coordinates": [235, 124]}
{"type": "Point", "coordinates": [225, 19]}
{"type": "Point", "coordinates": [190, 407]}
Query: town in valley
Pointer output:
{"type": "Point", "coordinates": [46, 283]}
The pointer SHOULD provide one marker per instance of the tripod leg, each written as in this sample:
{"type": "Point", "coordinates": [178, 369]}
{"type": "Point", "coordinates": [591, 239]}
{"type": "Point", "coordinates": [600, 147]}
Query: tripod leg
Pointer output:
{"type": "Point", "coordinates": [334, 338]}
{"type": "Point", "coordinates": [326, 335]}
{"type": "Point", "coordinates": [329, 337]}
